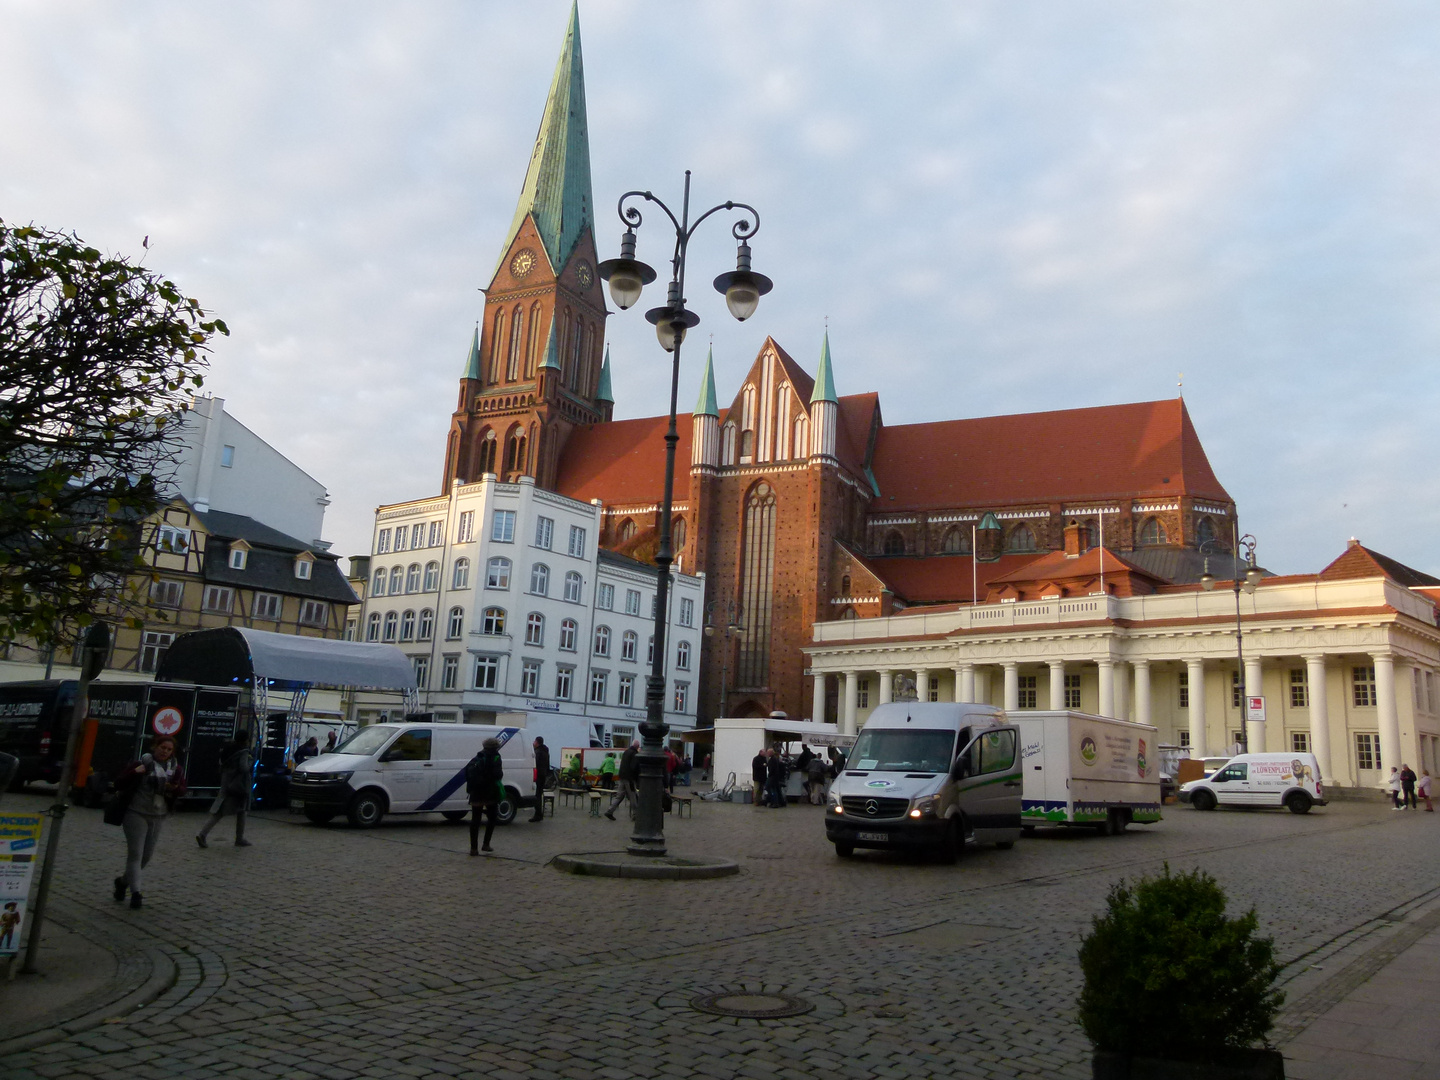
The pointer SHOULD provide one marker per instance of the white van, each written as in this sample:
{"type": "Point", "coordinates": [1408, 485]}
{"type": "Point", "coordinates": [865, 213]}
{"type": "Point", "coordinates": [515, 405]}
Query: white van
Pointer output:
{"type": "Point", "coordinates": [410, 769]}
{"type": "Point", "coordinates": [928, 775]}
{"type": "Point", "coordinates": [1288, 780]}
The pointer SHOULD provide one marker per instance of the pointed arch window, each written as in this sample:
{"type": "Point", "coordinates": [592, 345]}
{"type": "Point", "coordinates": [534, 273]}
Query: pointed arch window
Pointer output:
{"type": "Point", "coordinates": [894, 543]}
{"type": "Point", "coordinates": [1022, 539]}
{"type": "Point", "coordinates": [678, 534]}
{"type": "Point", "coordinates": [515, 458]}
{"type": "Point", "coordinates": [533, 353]}
{"type": "Point", "coordinates": [572, 379]}
{"type": "Point", "coordinates": [1152, 533]}
{"type": "Point", "coordinates": [797, 447]}
{"type": "Point", "coordinates": [517, 328]}
{"type": "Point", "coordinates": [1204, 531]}
{"type": "Point", "coordinates": [757, 586]}
{"type": "Point", "coordinates": [627, 530]}
{"type": "Point", "coordinates": [956, 541]}
{"type": "Point", "coordinates": [488, 448]}
{"type": "Point", "coordinates": [727, 445]}
{"type": "Point", "coordinates": [496, 346]}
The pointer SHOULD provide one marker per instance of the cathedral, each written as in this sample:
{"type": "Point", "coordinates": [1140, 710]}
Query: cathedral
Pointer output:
{"type": "Point", "coordinates": [800, 505]}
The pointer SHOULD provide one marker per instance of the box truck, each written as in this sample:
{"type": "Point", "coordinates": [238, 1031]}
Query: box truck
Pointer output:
{"type": "Point", "coordinates": [1087, 770]}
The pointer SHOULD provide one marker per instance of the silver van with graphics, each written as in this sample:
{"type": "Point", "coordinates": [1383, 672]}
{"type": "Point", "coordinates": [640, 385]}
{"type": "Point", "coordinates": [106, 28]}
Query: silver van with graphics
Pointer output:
{"type": "Point", "coordinates": [936, 776]}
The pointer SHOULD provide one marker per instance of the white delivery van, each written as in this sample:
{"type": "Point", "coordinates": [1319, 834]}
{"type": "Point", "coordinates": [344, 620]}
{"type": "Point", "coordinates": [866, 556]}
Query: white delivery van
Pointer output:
{"type": "Point", "coordinates": [1088, 770]}
{"type": "Point", "coordinates": [928, 775]}
{"type": "Point", "coordinates": [1288, 780]}
{"type": "Point", "coordinates": [410, 769]}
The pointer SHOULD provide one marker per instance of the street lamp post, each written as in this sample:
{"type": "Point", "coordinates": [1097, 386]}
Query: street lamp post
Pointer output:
{"type": "Point", "coordinates": [1251, 578]}
{"type": "Point", "coordinates": [731, 629]}
{"type": "Point", "coordinates": [742, 289]}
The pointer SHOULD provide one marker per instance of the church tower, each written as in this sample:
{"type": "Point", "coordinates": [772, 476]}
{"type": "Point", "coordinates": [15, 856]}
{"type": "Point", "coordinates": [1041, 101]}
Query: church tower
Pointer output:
{"type": "Point", "coordinates": [534, 371]}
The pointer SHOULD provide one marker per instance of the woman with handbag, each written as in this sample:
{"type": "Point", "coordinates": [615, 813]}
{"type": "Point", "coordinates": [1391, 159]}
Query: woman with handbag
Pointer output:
{"type": "Point", "coordinates": [149, 787]}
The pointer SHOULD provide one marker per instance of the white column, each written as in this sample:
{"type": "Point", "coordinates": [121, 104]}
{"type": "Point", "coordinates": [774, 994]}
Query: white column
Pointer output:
{"type": "Point", "coordinates": [1122, 690]}
{"type": "Point", "coordinates": [1012, 686]}
{"type": "Point", "coordinates": [852, 699]}
{"type": "Point", "coordinates": [1142, 691]}
{"type": "Point", "coordinates": [817, 709]}
{"type": "Point", "coordinates": [1107, 687]}
{"type": "Point", "coordinates": [1057, 684]}
{"type": "Point", "coordinates": [887, 685]}
{"type": "Point", "coordinates": [1195, 673]}
{"type": "Point", "coordinates": [1254, 687]}
{"type": "Point", "coordinates": [1389, 714]}
{"type": "Point", "coordinates": [965, 682]}
{"type": "Point", "coordinates": [982, 685]}
{"type": "Point", "coordinates": [922, 684]}
{"type": "Point", "coordinates": [1319, 713]}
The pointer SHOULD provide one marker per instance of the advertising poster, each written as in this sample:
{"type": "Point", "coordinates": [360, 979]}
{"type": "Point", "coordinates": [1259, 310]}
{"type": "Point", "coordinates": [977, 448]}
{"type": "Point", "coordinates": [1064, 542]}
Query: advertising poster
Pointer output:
{"type": "Point", "coordinates": [19, 844]}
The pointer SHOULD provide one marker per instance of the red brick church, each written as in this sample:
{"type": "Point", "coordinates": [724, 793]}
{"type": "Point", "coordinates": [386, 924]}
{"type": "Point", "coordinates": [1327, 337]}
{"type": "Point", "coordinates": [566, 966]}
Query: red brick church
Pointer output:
{"type": "Point", "coordinates": [799, 504]}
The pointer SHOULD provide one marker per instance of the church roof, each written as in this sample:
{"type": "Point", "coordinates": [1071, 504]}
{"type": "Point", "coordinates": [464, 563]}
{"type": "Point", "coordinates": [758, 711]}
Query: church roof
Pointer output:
{"type": "Point", "coordinates": [623, 461]}
{"type": "Point", "coordinates": [552, 348]}
{"type": "Point", "coordinates": [603, 391]}
{"type": "Point", "coordinates": [824, 379]}
{"type": "Point", "coordinates": [706, 405]}
{"type": "Point", "coordinates": [1148, 448]}
{"type": "Point", "coordinates": [557, 191]}
{"type": "Point", "coordinates": [1359, 561]}
{"type": "Point", "coordinates": [472, 362]}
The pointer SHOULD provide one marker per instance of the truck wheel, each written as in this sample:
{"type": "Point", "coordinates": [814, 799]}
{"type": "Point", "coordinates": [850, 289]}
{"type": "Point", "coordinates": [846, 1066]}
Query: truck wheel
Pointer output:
{"type": "Point", "coordinates": [1028, 830]}
{"type": "Point", "coordinates": [454, 815]}
{"type": "Point", "coordinates": [366, 810]}
{"type": "Point", "coordinates": [1202, 800]}
{"type": "Point", "coordinates": [1118, 820]}
{"type": "Point", "coordinates": [1299, 802]}
{"type": "Point", "coordinates": [1004, 845]}
{"type": "Point", "coordinates": [843, 849]}
{"type": "Point", "coordinates": [950, 846]}
{"type": "Point", "coordinates": [318, 816]}
{"type": "Point", "coordinates": [506, 811]}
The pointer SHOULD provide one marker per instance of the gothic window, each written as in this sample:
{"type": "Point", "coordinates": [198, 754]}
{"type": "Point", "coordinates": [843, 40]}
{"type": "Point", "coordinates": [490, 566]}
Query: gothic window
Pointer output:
{"type": "Point", "coordinates": [627, 530]}
{"type": "Point", "coordinates": [517, 327]}
{"type": "Point", "coordinates": [782, 429]}
{"type": "Point", "coordinates": [848, 613]}
{"type": "Point", "coordinates": [572, 377]}
{"type": "Point", "coordinates": [747, 445]}
{"type": "Point", "coordinates": [757, 586]}
{"type": "Point", "coordinates": [1204, 531]}
{"type": "Point", "coordinates": [798, 448]}
{"type": "Point", "coordinates": [1022, 539]}
{"type": "Point", "coordinates": [894, 543]}
{"type": "Point", "coordinates": [1152, 533]}
{"type": "Point", "coordinates": [496, 340]}
{"type": "Point", "coordinates": [487, 452]}
{"type": "Point", "coordinates": [727, 445]}
{"type": "Point", "coordinates": [677, 534]}
{"type": "Point", "coordinates": [515, 451]}
{"type": "Point", "coordinates": [535, 343]}
{"type": "Point", "coordinates": [747, 407]}
{"type": "Point", "coordinates": [956, 541]}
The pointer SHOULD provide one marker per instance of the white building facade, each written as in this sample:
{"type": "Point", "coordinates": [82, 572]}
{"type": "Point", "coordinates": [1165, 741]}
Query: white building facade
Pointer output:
{"type": "Point", "coordinates": [506, 605]}
{"type": "Point", "coordinates": [1347, 669]}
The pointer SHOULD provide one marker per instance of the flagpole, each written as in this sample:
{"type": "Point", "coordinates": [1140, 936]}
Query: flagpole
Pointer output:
{"type": "Point", "coordinates": [974, 570]}
{"type": "Point", "coordinates": [1102, 552]}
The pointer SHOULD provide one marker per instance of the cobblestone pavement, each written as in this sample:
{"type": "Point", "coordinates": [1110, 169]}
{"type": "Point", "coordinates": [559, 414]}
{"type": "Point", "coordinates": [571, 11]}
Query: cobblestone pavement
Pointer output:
{"type": "Point", "coordinates": [330, 952]}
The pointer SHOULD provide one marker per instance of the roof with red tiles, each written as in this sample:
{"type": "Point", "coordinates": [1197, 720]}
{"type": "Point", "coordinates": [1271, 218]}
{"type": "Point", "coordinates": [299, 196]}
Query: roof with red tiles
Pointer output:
{"type": "Point", "coordinates": [1057, 566]}
{"type": "Point", "coordinates": [1148, 448]}
{"type": "Point", "coordinates": [623, 461]}
{"type": "Point", "coordinates": [941, 579]}
{"type": "Point", "coordinates": [1358, 561]}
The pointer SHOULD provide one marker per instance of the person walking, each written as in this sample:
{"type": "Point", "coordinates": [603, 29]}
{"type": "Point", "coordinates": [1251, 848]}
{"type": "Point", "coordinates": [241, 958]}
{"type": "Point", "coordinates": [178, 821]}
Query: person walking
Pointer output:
{"type": "Point", "coordinates": [607, 772]}
{"type": "Point", "coordinates": [629, 775]}
{"type": "Point", "coordinates": [815, 769]}
{"type": "Point", "coordinates": [757, 778]}
{"type": "Point", "coordinates": [672, 766]}
{"type": "Point", "coordinates": [237, 762]}
{"type": "Point", "coordinates": [1407, 788]}
{"type": "Point", "coordinates": [1393, 786]}
{"type": "Point", "coordinates": [483, 776]}
{"type": "Point", "coordinates": [150, 786]}
{"type": "Point", "coordinates": [775, 780]}
{"type": "Point", "coordinates": [542, 777]}
{"type": "Point", "coordinates": [1425, 790]}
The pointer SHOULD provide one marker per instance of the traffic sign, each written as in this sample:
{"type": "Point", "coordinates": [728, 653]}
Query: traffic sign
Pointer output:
{"type": "Point", "coordinates": [1255, 709]}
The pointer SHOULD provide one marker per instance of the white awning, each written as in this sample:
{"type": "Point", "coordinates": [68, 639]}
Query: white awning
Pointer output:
{"type": "Point", "coordinates": [236, 654]}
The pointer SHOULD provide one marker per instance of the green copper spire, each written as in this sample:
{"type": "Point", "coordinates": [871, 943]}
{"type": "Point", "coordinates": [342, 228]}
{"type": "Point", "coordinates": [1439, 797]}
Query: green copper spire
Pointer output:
{"type": "Point", "coordinates": [604, 392]}
{"type": "Point", "coordinates": [824, 381]}
{"type": "Point", "coordinates": [472, 362]}
{"type": "Point", "coordinates": [706, 405]}
{"type": "Point", "coordinates": [552, 349]}
{"type": "Point", "coordinates": [557, 189]}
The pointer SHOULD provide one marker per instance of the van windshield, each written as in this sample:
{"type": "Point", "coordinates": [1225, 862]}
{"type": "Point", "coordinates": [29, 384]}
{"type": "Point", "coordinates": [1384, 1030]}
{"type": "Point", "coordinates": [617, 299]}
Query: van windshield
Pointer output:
{"type": "Point", "coordinates": [365, 741]}
{"type": "Point", "coordinates": [903, 750]}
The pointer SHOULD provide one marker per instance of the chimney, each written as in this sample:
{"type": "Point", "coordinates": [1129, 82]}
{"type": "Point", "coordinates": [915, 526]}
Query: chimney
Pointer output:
{"type": "Point", "coordinates": [1352, 542]}
{"type": "Point", "coordinates": [1077, 540]}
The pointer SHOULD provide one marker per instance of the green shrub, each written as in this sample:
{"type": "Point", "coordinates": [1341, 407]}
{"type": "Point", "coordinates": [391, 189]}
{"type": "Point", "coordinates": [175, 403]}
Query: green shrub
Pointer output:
{"type": "Point", "coordinates": [1168, 975]}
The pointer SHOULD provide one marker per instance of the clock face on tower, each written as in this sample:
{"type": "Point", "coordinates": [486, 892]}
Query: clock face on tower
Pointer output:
{"type": "Point", "coordinates": [522, 263]}
{"type": "Point", "coordinates": [584, 274]}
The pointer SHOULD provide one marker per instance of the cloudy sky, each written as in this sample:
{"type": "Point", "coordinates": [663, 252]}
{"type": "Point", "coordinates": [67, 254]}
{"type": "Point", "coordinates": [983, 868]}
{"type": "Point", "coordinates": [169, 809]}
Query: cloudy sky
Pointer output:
{"type": "Point", "coordinates": [1000, 207]}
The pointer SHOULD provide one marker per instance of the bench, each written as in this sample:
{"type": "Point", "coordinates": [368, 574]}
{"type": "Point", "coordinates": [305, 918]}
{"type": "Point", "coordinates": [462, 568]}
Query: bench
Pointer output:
{"type": "Point", "coordinates": [683, 805]}
{"type": "Point", "coordinates": [573, 795]}
{"type": "Point", "coordinates": [595, 797]}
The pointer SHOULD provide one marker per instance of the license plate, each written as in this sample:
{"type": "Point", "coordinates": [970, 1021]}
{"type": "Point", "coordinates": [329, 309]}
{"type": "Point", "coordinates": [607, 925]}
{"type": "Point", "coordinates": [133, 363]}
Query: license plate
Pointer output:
{"type": "Point", "coordinates": [297, 804]}
{"type": "Point", "coordinates": [877, 837]}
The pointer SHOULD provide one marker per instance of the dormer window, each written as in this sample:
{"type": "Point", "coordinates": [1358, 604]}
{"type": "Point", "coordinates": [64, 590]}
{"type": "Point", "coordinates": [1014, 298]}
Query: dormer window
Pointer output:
{"type": "Point", "coordinates": [238, 556]}
{"type": "Point", "coordinates": [303, 562]}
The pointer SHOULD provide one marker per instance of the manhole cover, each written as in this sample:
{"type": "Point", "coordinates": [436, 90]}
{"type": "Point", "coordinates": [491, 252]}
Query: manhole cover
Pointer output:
{"type": "Point", "coordinates": [751, 1006]}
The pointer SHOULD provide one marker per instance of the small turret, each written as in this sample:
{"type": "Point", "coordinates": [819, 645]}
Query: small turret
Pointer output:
{"type": "Point", "coordinates": [824, 407]}
{"type": "Point", "coordinates": [705, 443]}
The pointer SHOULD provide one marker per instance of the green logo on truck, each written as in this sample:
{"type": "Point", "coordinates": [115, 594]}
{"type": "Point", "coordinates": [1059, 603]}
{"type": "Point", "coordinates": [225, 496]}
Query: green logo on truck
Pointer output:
{"type": "Point", "coordinates": [1088, 753]}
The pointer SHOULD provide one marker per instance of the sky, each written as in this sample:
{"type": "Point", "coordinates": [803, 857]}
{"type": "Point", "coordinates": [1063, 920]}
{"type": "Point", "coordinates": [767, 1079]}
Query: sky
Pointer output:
{"type": "Point", "coordinates": [996, 207]}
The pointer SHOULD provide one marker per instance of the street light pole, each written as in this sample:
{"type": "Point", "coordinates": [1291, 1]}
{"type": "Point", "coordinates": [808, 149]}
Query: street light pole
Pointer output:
{"type": "Point", "coordinates": [1252, 578]}
{"type": "Point", "coordinates": [733, 629]}
{"type": "Point", "coordinates": [742, 289]}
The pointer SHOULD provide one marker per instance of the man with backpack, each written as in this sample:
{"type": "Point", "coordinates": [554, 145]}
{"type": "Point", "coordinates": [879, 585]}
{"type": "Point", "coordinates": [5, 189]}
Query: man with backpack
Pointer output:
{"type": "Point", "coordinates": [483, 776]}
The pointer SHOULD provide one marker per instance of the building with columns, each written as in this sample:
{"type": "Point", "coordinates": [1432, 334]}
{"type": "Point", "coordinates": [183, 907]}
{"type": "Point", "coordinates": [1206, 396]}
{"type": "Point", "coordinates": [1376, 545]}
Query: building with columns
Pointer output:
{"type": "Point", "coordinates": [1346, 660]}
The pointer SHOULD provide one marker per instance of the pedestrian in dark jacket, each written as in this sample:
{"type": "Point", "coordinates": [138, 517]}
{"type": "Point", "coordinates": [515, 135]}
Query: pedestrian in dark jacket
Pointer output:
{"type": "Point", "coordinates": [815, 776]}
{"type": "Point", "coordinates": [237, 762]}
{"type": "Point", "coordinates": [1407, 785]}
{"type": "Point", "coordinates": [775, 780]}
{"type": "Point", "coordinates": [629, 776]}
{"type": "Point", "coordinates": [758, 770]}
{"type": "Point", "coordinates": [483, 776]}
{"type": "Point", "coordinates": [150, 787]}
{"type": "Point", "coordinates": [309, 750]}
{"type": "Point", "coordinates": [542, 777]}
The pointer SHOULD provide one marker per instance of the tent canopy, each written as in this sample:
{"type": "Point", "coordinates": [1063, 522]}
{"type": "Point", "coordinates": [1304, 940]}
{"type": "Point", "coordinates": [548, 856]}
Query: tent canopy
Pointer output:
{"type": "Point", "coordinates": [238, 655]}
{"type": "Point", "coordinates": [785, 730]}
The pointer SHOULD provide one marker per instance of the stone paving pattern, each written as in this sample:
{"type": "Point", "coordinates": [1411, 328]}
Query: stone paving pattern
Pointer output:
{"type": "Point", "coordinates": [334, 953]}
